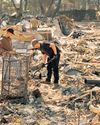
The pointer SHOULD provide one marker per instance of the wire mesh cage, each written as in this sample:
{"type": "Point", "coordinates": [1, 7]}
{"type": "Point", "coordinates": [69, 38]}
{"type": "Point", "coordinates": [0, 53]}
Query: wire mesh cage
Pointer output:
{"type": "Point", "coordinates": [15, 71]}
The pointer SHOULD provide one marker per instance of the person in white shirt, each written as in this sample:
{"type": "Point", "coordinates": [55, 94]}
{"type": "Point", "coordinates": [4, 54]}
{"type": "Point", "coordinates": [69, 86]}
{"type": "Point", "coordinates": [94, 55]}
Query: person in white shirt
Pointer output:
{"type": "Point", "coordinates": [27, 26]}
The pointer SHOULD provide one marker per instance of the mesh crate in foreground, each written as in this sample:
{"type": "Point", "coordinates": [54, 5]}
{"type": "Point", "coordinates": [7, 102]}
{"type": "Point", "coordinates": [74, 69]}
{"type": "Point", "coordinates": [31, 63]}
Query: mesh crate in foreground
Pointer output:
{"type": "Point", "coordinates": [15, 71]}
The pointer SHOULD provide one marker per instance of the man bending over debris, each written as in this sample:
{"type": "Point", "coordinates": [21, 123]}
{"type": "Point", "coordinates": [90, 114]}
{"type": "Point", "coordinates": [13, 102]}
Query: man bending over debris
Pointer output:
{"type": "Point", "coordinates": [51, 55]}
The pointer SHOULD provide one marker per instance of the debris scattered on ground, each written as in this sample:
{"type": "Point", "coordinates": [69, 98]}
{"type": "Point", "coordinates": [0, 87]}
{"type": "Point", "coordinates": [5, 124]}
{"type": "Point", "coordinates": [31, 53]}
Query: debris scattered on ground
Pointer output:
{"type": "Point", "coordinates": [75, 102]}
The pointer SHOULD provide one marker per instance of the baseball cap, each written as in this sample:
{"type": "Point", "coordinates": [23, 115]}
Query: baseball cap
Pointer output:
{"type": "Point", "coordinates": [34, 41]}
{"type": "Point", "coordinates": [10, 30]}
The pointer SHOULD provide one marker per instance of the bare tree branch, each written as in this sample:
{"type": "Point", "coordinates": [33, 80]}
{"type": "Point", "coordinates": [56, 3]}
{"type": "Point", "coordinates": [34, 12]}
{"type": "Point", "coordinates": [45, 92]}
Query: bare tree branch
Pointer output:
{"type": "Point", "coordinates": [26, 2]}
{"type": "Point", "coordinates": [42, 8]}
{"type": "Point", "coordinates": [58, 7]}
{"type": "Point", "coordinates": [19, 9]}
{"type": "Point", "coordinates": [14, 5]}
{"type": "Point", "coordinates": [49, 8]}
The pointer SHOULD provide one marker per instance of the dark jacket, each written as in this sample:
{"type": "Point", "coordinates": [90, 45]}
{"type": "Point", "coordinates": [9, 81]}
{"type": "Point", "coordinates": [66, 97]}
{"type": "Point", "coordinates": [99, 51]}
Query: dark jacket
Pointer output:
{"type": "Point", "coordinates": [46, 49]}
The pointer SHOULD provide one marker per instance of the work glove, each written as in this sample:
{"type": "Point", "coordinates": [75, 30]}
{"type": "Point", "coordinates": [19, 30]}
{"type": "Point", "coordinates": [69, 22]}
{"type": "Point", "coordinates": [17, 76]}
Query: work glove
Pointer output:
{"type": "Point", "coordinates": [55, 56]}
{"type": "Point", "coordinates": [43, 65]}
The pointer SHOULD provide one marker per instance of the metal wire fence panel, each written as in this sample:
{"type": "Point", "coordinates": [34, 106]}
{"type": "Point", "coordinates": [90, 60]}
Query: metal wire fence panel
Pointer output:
{"type": "Point", "coordinates": [15, 75]}
{"type": "Point", "coordinates": [0, 73]}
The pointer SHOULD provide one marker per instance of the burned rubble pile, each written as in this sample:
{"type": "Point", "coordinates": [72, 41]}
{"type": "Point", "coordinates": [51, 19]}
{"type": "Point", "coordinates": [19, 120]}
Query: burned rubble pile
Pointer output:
{"type": "Point", "coordinates": [77, 101]}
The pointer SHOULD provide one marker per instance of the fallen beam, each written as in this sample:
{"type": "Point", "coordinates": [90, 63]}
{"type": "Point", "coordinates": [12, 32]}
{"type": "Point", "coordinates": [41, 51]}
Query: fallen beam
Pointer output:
{"type": "Point", "coordinates": [92, 82]}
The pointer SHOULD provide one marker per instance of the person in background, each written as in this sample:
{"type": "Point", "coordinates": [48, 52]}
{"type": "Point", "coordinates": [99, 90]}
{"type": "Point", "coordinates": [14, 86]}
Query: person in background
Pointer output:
{"type": "Point", "coordinates": [6, 47]}
{"type": "Point", "coordinates": [35, 23]}
{"type": "Point", "coordinates": [50, 52]}
{"type": "Point", "coordinates": [26, 25]}
{"type": "Point", "coordinates": [6, 40]}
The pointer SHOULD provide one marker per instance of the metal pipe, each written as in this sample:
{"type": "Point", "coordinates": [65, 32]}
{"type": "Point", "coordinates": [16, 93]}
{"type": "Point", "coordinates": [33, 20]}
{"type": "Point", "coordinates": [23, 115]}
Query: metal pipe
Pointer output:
{"type": "Point", "coordinates": [92, 82]}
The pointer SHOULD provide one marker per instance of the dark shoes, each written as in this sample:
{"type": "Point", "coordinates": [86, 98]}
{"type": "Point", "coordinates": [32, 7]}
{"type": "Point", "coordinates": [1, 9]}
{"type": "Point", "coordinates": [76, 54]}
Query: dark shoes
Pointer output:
{"type": "Point", "coordinates": [20, 78]}
{"type": "Point", "coordinates": [56, 86]}
{"type": "Point", "coordinates": [46, 82]}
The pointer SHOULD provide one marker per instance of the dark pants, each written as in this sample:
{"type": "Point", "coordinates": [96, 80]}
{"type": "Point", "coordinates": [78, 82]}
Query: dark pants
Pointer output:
{"type": "Point", "coordinates": [53, 67]}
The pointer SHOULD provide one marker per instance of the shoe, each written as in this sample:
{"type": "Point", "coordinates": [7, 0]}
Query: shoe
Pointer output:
{"type": "Point", "coordinates": [20, 78]}
{"type": "Point", "coordinates": [56, 86]}
{"type": "Point", "coordinates": [46, 82]}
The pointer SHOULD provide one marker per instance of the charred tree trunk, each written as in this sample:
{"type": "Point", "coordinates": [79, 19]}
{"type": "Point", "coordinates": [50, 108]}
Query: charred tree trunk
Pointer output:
{"type": "Point", "coordinates": [19, 10]}
{"type": "Point", "coordinates": [42, 7]}
{"type": "Point", "coordinates": [1, 6]}
{"type": "Point", "coordinates": [26, 3]}
{"type": "Point", "coordinates": [57, 8]}
{"type": "Point", "coordinates": [16, 9]}
{"type": "Point", "coordinates": [50, 8]}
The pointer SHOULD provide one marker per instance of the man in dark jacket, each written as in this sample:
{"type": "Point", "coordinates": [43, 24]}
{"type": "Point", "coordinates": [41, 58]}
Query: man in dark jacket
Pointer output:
{"type": "Point", "coordinates": [50, 52]}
